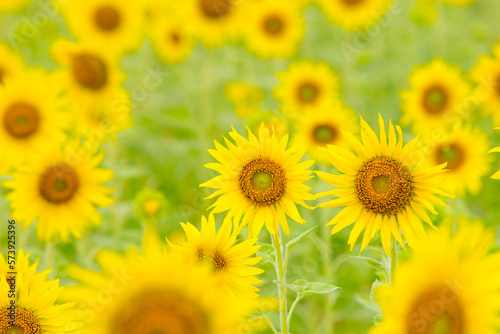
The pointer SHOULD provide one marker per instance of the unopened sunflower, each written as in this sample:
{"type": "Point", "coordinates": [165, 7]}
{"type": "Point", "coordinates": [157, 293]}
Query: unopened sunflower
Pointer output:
{"type": "Point", "coordinates": [382, 186]}
{"type": "Point", "coordinates": [436, 98]}
{"type": "Point", "coordinates": [260, 181]}
{"type": "Point", "coordinates": [450, 285]}
{"type": "Point", "coordinates": [232, 262]}
{"type": "Point", "coordinates": [11, 63]}
{"type": "Point", "coordinates": [307, 86]}
{"type": "Point", "coordinates": [60, 189]}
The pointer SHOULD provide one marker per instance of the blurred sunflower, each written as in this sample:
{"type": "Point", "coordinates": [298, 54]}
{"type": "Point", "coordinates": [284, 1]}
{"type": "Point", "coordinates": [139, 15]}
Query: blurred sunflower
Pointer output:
{"type": "Point", "coordinates": [215, 22]}
{"type": "Point", "coordinates": [10, 6]}
{"type": "Point", "coordinates": [486, 73]}
{"type": "Point", "coordinates": [150, 204]}
{"type": "Point", "coordinates": [245, 99]}
{"type": "Point", "coordinates": [274, 29]}
{"type": "Point", "coordinates": [11, 63]}
{"type": "Point", "coordinates": [171, 40]}
{"type": "Point", "coordinates": [154, 294]}
{"type": "Point", "coordinates": [495, 150]}
{"type": "Point", "coordinates": [435, 98]}
{"type": "Point", "coordinates": [232, 263]}
{"type": "Point", "coordinates": [383, 187]}
{"type": "Point", "coordinates": [261, 181]}
{"type": "Point", "coordinates": [354, 14]}
{"type": "Point", "coordinates": [449, 285]}
{"type": "Point", "coordinates": [33, 115]}
{"type": "Point", "coordinates": [36, 307]}
{"type": "Point", "coordinates": [60, 189]}
{"type": "Point", "coordinates": [307, 86]}
{"type": "Point", "coordinates": [271, 122]}
{"type": "Point", "coordinates": [465, 151]}
{"type": "Point", "coordinates": [324, 127]}
{"type": "Point", "coordinates": [110, 25]}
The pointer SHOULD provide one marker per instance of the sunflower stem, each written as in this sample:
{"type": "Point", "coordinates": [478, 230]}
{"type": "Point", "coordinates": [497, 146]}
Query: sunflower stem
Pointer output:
{"type": "Point", "coordinates": [282, 290]}
{"type": "Point", "coordinates": [394, 259]}
{"type": "Point", "coordinates": [49, 256]}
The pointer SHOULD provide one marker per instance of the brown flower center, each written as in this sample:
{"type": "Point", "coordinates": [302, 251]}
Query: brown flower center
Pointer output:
{"type": "Point", "coordinates": [25, 322]}
{"type": "Point", "coordinates": [59, 184]}
{"type": "Point", "coordinates": [453, 154]}
{"type": "Point", "coordinates": [324, 134]}
{"type": "Point", "coordinates": [308, 92]}
{"type": "Point", "coordinates": [216, 257]}
{"type": "Point", "coordinates": [107, 18]}
{"type": "Point", "coordinates": [215, 9]}
{"type": "Point", "coordinates": [21, 120]}
{"type": "Point", "coordinates": [174, 37]}
{"type": "Point", "coordinates": [262, 181]}
{"type": "Point", "coordinates": [2, 74]}
{"type": "Point", "coordinates": [384, 186]}
{"type": "Point", "coordinates": [160, 311]}
{"type": "Point", "coordinates": [437, 311]}
{"type": "Point", "coordinates": [497, 85]}
{"type": "Point", "coordinates": [352, 2]}
{"type": "Point", "coordinates": [274, 25]}
{"type": "Point", "coordinates": [435, 100]}
{"type": "Point", "coordinates": [90, 71]}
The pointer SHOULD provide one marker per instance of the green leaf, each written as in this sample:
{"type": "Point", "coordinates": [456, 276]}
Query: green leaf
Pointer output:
{"type": "Point", "coordinates": [266, 251]}
{"type": "Point", "coordinates": [372, 262]}
{"type": "Point", "coordinates": [316, 288]}
{"type": "Point", "coordinates": [294, 241]}
{"type": "Point", "coordinates": [376, 285]}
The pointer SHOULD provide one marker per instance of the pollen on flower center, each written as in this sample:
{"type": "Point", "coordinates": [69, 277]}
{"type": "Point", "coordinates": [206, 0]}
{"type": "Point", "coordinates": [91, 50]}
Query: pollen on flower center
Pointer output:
{"type": "Point", "coordinates": [21, 120]}
{"type": "Point", "coordinates": [436, 311]}
{"type": "Point", "coordinates": [274, 25]}
{"type": "Point", "coordinates": [90, 71]}
{"type": "Point", "coordinates": [453, 154]}
{"type": "Point", "coordinates": [384, 186]}
{"type": "Point", "coordinates": [324, 134]}
{"type": "Point", "coordinates": [308, 92]}
{"type": "Point", "coordinates": [216, 8]}
{"type": "Point", "coordinates": [26, 322]}
{"type": "Point", "coordinates": [435, 100]}
{"type": "Point", "coordinates": [59, 184]}
{"type": "Point", "coordinates": [107, 18]}
{"type": "Point", "coordinates": [262, 181]}
{"type": "Point", "coordinates": [158, 310]}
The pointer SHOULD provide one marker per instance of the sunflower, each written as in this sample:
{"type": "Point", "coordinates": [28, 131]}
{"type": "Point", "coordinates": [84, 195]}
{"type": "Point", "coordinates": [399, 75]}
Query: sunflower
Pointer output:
{"type": "Point", "coordinates": [232, 263]}
{"type": "Point", "coordinates": [465, 150]}
{"type": "Point", "coordinates": [33, 114]}
{"type": "Point", "coordinates": [154, 294]}
{"type": "Point", "coordinates": [307, 86]}
{"type": "Point", "coordinates": [171, 40]}
{"type": "Point", "coordinates": [495, 150]}
{"type": "Point", "coordinates": [274, 29]}
{"type": "Point", "coordinates": [435, 98]}
{"type": "Point", "coordinates": [324, 127]}
{"type": "Point", "coordinates": [110, 25]}
{"type": "Point", "coordinates": [150, 204]}
{"type": "Point", "coordinates": [35, 302]}
{"type": "Point", "coordinates": [245, 99]}
{"type": "Point", "coordinates": [12, 6]}
{"type": "Point", "coordinates": [354, 15]}
{"type": "Point", "coordinates": [383, 187]}
{"type": "Point", "coordinates": [11, 63]}
{"type": "Point", "coordinates": [450, 284]}
{"type": "Point", "coordinates": [261, 181]}
{"type": "Point", "coordinates": [486, 73]}
{"type": "Point", "coordinates": [271, 121]}
{"type": "Point", "coordinates": [60, 189]}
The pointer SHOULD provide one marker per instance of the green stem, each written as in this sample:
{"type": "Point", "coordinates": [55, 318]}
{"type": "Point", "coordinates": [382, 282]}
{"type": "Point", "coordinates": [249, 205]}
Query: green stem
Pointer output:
{"type": "Point", "coordinates": [282, 290]}
{"type": "Point", "coordinates": [271, 325]}
{"type": "Point", "coordinates": [394, 259]}
{"type": "Point", "coordinates": [49, 256]}
{"type": "Point", "coordinates": [295, 303]}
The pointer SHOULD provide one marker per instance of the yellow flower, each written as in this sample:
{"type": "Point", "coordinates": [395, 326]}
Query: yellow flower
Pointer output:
{"type": "Point", "coordinates": [171, 40]}
{"type": "Point", "coordinates": [450, 284]}
{"type": "Point", "coordinates": [271, 122]}
{"type": "Point", "coordinates": [150, 204]}
{"type": "Point", "coordinates": [260, 181]}
{"type": "Point", "coordinates": [60, 189]}
{"type": "Point", "coordinates": [274, 29]}
{"type": "Point", "coordinates": [110, 25]}
{"type": "Point", "coordinates": [465, 150]}
{"type": "Point", "coordinates": [11, 6]}
{"type": "Point", "coordinates": [232, 263]}
{"type": "Point", "coordinates": [245, 99]}
{"type": "Point", "coordinates": [324, 127]}
{"type": "Point", "coordinates": [436, 97]}
{"type": "Point", "coordinates": [354, 14]}
{"type": "Point", "coordinates": [307, 86]}
{"type": "Point", "coordinates": [158, 293]}
{"type": "Point", "coordinates": [383, 187]}
{"type": "Point", "coordinates": [495, 150]}
{"type": "Point", "coordinates": [11, 63]}
{"type": "Point", "coordinates": [33, 115]}
{"type": "Point", "coordinates": [486, 73]}
{"type": "Point", "coordinates": [35, 301]}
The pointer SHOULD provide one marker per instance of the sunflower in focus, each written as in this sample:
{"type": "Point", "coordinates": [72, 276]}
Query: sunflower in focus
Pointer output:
{"type": "Point", "coordinates": [171, 40]}
{"type": "Point", "coordinates": [271, 122]}
{"type": "Point", "coordinates": [33, 114]}
{"type": "Point", "coordinates": [382, 187]}
{"type": "Point", "coordinates": [450, 284]}
{"type": "Point", "coordinates": [153, 294]}
{"type": "Point", "coordinates": [465, 150]}
{"type": "Point", "coordinates": [245, 99]}
{"type": "Point", "coordinates": [232, 263]}
{"type": "Point", "coordinates": [274, 29]}
{"type": "Point", "coordinates": [486, 73]}
{"type": "Point", "coordinates": [36, 307]}
{"type": "Point", "coordinates": [307, 86]}
{"type": "Point", "coordinates": [60, 189]}
{"type": "Point", "coordinates": [11, 63]}
{"type": "Point", "coordinates": [11, 6]}
{"type": "Point", "coordinates": [354, 15]}
{"type": "Point", "coordinates": [260, 181]}
{"type": "Point", "coordinates": [110, 25]}
{"type": "Point", "coordinates": [324, 127]}
{"type": "Point", "coordinates": [436, 96]}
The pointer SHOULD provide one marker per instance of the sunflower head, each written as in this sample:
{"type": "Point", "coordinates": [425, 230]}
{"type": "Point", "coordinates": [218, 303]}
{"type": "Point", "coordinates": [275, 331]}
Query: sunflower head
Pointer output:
{"type": "Point", "coordinates": [150, 204]}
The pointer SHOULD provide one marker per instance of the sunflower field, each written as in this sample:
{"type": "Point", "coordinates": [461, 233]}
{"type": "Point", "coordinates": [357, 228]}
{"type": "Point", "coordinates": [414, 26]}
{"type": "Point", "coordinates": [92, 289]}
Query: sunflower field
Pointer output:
{"type": "Point", "coordinates": [250, 166]}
